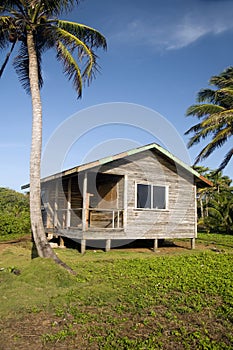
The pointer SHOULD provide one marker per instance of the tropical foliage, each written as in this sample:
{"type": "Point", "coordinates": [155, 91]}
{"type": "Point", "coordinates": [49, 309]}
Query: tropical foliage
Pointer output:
{"type": "Point", "coordinates": [73, 42]}
{"type": "Point", "coordinates": [215, 204]}
{"type": "Point", "coordinates": [33, 27]}
{"type": "Point", "coordinates": [215, 112]}
{"type": "Point", "coordinates": [14, 213]}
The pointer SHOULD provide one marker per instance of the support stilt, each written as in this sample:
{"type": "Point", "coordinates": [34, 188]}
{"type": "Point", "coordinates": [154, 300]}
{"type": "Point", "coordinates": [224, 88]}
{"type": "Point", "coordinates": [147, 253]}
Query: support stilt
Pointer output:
{"type": "Point", "coordinates": [83, 246]}
{"type": "Point", "coordinates": [61, 242]}
{"type": "Point", "coordinates": [192, 243]}
{"type": "Point", "coordinates": [108, 245]}
{"type": "Point", "coordinates": [155, 244]}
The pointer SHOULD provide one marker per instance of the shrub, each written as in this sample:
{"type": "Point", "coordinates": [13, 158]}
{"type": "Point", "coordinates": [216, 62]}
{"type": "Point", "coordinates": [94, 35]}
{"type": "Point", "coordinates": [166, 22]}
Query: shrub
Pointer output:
{"type": "Point", "coordinates": [14, 213]}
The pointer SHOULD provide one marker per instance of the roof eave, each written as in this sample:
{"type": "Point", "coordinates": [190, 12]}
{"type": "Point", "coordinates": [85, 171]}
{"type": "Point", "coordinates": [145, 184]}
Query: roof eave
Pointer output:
{"type": "Point", "coordinates": [102, 161]}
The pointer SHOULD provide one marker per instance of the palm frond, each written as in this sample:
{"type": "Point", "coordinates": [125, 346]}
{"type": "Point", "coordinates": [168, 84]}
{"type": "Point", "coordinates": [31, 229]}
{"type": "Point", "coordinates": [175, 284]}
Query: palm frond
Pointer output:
{"type": "Point", "coordinates": [194, 140]}
{"type": "Point", "coordinates": [21, 65]}
{"type": "Point", "coordinates": [220, 137]}
{"type": "Point", "coordinates": [226, 160]}
{"type": "Point", "coordinates": [227, 90]}
{"type": "Point", "coordinates": [4, 21]}
{"type": "Point", "coordinates": [71, 40]}
{"type": "Point", "coordinates": [7, 59]}
{"type": "Point", "coordinates": [194, 128]}
{"type": "Point", "coordinates": [84, 52]}
{"type": "Point", "coordinates": [224, 98]}
{"type": "Point", "coordinates": [90, 70]}
{"type": "Point", "coordinates": [74, 42]}
{"type": "Point", "coordinates": [4, 31]}
{"type": "Point", "coordinates": [224, 79]}
{"type": "Point", "coordinates": [214, 212]}
{"type": "Point", "coordinates": [56, 7]}
{"type": "Point", "coordinates": [206, 95]}
{"type": "Point", "coordinates": [221, 81]}
{"type": "Point", "coordinates": [13, 7]}
{"type": "Point", "coordinates": [88, 35]}
{"type": "Point", "coordinates": [220, 133]}
{"type": "Point", "coordinates": [215, 143]}
{"type": "Point", "coordinates": [71, 68]}
{"type": "Point", "coordinates": [202, 134]}
{"type": "Point", "coordinates": [218, 120]}
{"type": "Point", "coordinates": [8, 4]}
{"type": "Point", "coordinates": [203, 109]}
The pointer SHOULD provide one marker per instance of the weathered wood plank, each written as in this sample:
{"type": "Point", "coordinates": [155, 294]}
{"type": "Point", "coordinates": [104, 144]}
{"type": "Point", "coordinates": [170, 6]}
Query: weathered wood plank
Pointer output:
{"type": "Point", "coordinates": [178, 221]}
{"type": "Point", "coordinates": [84, 212]}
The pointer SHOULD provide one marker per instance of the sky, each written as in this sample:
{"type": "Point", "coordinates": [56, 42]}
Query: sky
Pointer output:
{"type": "Point", "coordinates": [160, 54]}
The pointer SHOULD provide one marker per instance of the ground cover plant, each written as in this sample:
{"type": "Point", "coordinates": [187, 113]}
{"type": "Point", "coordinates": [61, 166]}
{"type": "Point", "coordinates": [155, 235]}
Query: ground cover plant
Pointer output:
{"type": "Point", "coordinates": [125, 299]}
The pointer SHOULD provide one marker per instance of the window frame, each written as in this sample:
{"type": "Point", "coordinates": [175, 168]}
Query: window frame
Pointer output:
{"type": "Point", "coordinates": [152, 185]}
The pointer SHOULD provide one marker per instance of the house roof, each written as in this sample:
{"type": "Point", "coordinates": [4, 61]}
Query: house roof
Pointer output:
{"type": "Point", "coordinates": [200, 180]}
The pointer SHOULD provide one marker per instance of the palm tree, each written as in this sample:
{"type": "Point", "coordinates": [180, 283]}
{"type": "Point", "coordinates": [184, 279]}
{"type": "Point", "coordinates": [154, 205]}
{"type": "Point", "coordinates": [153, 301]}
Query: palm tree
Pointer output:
{"type": "Point", "coordinates": [215, 204]}
{"type": "Point", "coordinates": [215, 109]}
{"type": "Point", "coordinates": [220, 209]}
{"type": "Point", "coordinates": [202, 192]}
{"type": "Point", "coordinates": [32, 26]}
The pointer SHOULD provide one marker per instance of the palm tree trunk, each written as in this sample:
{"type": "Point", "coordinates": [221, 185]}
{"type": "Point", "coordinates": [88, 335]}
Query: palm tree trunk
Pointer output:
{"type": "Point", "coordinates": [202, 210]}
{"type": "Point", "coordinates": [43, 247]}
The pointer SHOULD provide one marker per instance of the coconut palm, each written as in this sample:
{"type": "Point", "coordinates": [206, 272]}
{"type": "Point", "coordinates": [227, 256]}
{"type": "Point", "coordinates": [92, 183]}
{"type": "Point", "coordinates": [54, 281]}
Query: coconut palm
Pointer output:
{"type": "Point", "coordinates": [215, 204]}
{"type": "Point", "coordinates": [215, 109]}
{"type": "Point", "coordinates": [202, 192]}
{"type": "Point", "coordinates": [220, 212]}
{"type": "Point", "coordinates": [32, 27]}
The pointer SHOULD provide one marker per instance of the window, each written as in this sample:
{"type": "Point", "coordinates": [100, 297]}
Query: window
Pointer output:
{"type": "Point", "coordinates": [151, 197]}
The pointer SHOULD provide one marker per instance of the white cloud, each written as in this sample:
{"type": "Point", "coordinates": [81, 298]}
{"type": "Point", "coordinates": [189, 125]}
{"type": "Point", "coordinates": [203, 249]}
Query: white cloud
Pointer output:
{"type": "Point", "coordinates": [164, 29]}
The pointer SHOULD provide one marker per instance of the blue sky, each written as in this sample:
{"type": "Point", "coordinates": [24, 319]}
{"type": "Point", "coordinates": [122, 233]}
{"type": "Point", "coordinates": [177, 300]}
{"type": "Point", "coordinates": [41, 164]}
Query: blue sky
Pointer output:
{"type": "Point", "coordinates": [160, 53]}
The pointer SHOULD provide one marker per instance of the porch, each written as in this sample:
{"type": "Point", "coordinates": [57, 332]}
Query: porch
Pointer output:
{"type": "Point", "coordinates": [87, 202]}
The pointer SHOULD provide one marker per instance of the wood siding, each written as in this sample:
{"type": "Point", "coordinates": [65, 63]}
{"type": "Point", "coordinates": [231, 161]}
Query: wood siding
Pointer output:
{"type": "Point", "coordinates": [178, 220]}
{"type": "Point", "coordinates": [109, 189]}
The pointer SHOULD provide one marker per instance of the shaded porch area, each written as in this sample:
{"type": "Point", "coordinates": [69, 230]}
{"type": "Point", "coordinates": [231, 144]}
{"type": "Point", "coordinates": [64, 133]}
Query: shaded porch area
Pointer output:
{"type": "Point", "coordinates": [83, 203]}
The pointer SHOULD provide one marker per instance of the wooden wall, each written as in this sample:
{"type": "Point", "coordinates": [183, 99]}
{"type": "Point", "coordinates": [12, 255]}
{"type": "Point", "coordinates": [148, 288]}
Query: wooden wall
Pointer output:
{"type": "Point", "coordinates": [177, 220]}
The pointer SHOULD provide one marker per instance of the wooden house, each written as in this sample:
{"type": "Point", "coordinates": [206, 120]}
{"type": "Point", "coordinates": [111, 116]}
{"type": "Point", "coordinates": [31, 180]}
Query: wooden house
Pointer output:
{"type": "Point", "coordinates": [144, 193]}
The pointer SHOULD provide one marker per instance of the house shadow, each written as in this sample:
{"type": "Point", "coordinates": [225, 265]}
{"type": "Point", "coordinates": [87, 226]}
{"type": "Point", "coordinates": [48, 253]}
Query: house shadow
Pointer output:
{"type": "Point", "coordinates": [138, 244]}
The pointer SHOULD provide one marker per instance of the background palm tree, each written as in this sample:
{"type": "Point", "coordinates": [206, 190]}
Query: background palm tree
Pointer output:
{"type": "Point", "coordinates": [215, 204]}
{"type": "Point", "coordinates": [32, 26]}
{"type": "Point", "coordinates": [216, 116]}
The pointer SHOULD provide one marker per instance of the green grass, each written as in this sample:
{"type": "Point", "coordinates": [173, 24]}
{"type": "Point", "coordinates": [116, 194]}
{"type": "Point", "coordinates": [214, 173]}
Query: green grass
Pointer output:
{"type": "Point", "coordinates": [221, 241]}
{"type": "Point", "coordinates": [119, 300]}
{"type": "Point", "coordinates": [13, 237]}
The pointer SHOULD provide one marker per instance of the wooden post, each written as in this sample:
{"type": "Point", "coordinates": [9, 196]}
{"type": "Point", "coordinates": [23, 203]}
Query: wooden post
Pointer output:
{"type": "Point", "coordinates": [84, 212]}
{"type": "Point", "coordinates": [192, 243]}
{"type": "Point", "coordinates": [61, 242]}
{"type": "Point", "coordinates": [55, 204]}
{"type": "Point", "coordinates": [195, 218]}
{"type": "Point", "coordinates": [83, 246]}
{"type": "Point", "coordinates": [68, 216]}
{"type": "Point", "coordinates": [155, 244]}
{"type": "Point", "coordinates": [113, 219]}
{"type": "Point", "coordinates": [108, 245]}
{"type": "Point", "coordinates": [125, 201]}
{"type": "Point", "coordinates": [88, 212]}
{"type": "Point", "coordinates": [195, 209]}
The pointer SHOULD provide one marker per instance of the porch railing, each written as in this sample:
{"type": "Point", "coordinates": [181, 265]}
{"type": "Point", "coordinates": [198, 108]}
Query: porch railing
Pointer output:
{"type": "Point", "coordinates": [105, 218]}
{"type": "Point", "coordinates": [94, 218]}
